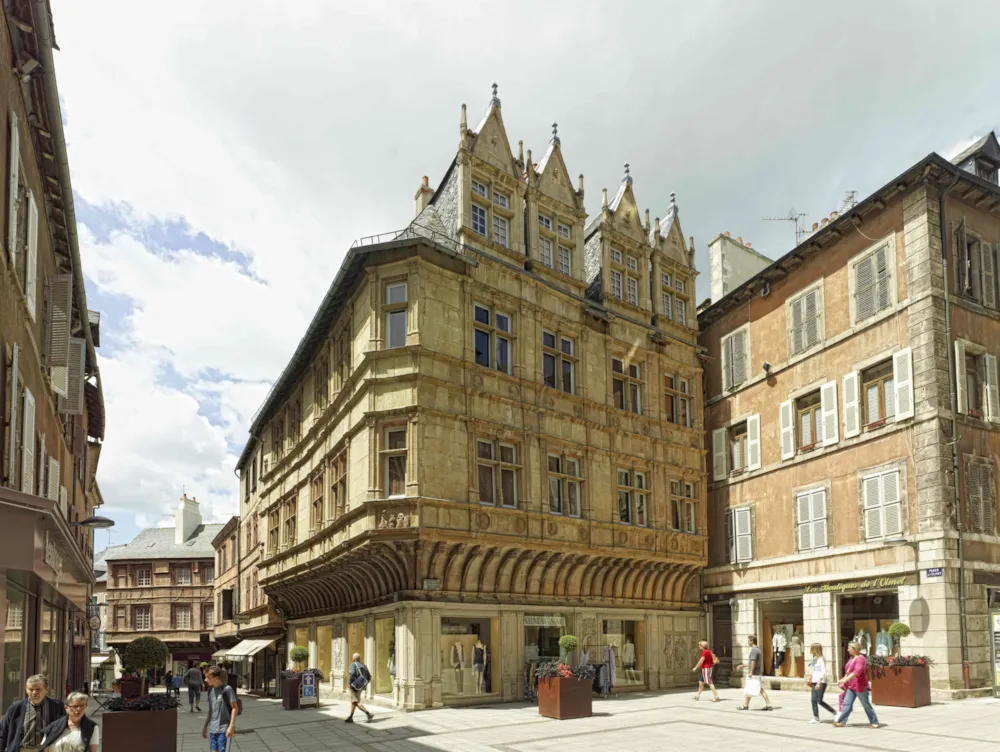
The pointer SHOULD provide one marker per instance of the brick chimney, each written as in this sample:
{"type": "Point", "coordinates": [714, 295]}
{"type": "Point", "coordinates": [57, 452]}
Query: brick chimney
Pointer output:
{"type": "Point", "coordinates": [423, 194]}
{"type": "Point", "coordinates": [187, 518]}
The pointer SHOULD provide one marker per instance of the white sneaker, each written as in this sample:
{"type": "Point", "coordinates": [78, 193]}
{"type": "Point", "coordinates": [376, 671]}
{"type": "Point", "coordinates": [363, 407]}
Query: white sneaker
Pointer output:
{"type": "Point", "coordinates": [814, 720]}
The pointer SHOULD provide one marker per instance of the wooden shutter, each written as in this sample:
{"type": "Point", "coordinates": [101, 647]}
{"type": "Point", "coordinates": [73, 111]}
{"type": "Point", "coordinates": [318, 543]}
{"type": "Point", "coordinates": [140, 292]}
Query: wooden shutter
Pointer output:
{"type": "Point", "coordinates": [64, 501]}
{"type": "Point", "coordinates": [12, 183]}
{"type": "Point", "coordinates": [731, 536]}
{"type": "Point", "coordinates": [992, 393]}
{"type": "Point", "coordinates": [72, 403]}
{"type": "Point", "coordinates": [883, 279]}
{"type": "Point", "coordinates": [797, 333]}
{"type": "Point", "coordinates": [753, 442]}
{"type": "Point", "coordinates": [15, 392]}
{"type": "Point", "coordinates": [31, 262]}
{"type": "Point", "coordinates": [961, 398]}
{"type": "Point", "coordinates": [902, 374]}
{"type": "Point", "coordinates": [962, 260]}
{"type": "Point", "coordinates": [55, 479]}
{"type": "Point", "coordinates": [804, 503]}
{"type": "Point", "coordinates": [989, 499]}
{"type": "Point", "coordinates": [727, 362]}
{"type": "Point", "coordinates": [58, 318]}
{"type": "Point", "coordinates": [891, 505]}
{"type": "Point", "coordinates": [741, 347]}
{"type": "Point", "coordinates": [744, 544]}
{"type": "Point", "coordinates": [42, 466]}
{"type": "Point", "coordinates": [989, 277]}
{"type": "Point", "coordinates": [810, 334]}
{"type": "Point", "coordinates": [828, 410]}
{"type": "Point", "coordinates": [974, 496]}
{"type": "Point", "coordinates": [787, 425]}
{"type": "Point", "coordinates": [818, 501]}
{"type": "Point", "coordinates": [864, 288]}
{"type": "Point", "coordinates": [852, 405]}
{"type": "Point", "coordinates": [719, 469]}
{"type": "Point", "coordinates": [871, 491]}
{"type": "Point", "coordinates": [28, 444]}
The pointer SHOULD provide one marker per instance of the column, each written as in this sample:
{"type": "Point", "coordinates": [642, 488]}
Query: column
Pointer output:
{"type": "Point", "coordinates": [744, 624]}
{"type": "Point", "coordinates": [313, 647]}
{"type": "Point", "coordinates": [338, 680]}
{"type": "Point", "coordinates": [819, 625]}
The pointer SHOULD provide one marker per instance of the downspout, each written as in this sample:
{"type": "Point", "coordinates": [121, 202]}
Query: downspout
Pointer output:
{"type": "Point", "coordinates": [962, 630]}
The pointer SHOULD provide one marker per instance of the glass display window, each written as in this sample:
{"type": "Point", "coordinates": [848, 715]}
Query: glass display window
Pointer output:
{"type": "Point", "coordinates": [19, 606]}
{"type": "Point", "coordinates": [541, 636]}
{"type": "Point", "coordinates": [626, 640]}
{"type": "Point", "coordinates": [782, 638]}
{"type": "Point", "coordinates": [466, 656]}
{"type": "Point", "coordinates": [355, 641]}
{"type": "Point", "coordinates": [865, 619]}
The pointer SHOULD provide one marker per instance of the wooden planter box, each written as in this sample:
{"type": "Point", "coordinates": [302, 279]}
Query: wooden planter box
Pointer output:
{"type": "Point", "coordinates": [565, 698]}
{"type": "Point", "coordinates": [902, 687]}
{"type": "Point", "coordinates": [290, 693]}
{"type": "Point", "coordinates": [131, 689]}
{"type": "Point", "coordinates": [153, 731]}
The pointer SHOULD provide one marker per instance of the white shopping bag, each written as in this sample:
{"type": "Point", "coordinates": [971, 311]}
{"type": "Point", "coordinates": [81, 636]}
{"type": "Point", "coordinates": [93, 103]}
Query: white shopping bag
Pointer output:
{"type": "Point", "coordinates": [752, 686]}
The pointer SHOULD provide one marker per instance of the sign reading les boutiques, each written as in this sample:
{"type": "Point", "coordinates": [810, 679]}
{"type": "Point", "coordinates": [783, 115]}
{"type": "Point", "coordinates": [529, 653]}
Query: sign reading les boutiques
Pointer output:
{"type": "Point", "coordinates": [855, 585]}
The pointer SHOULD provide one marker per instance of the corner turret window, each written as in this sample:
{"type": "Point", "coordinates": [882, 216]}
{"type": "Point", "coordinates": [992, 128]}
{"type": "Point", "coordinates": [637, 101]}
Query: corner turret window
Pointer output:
{"type": "Point", "coordinates": [395, 308]}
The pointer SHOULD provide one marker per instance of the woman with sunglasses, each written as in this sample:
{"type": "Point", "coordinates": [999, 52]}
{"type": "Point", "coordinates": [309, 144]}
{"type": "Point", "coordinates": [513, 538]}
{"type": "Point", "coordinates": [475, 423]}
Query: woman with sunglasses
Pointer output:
{"type": "Point", "coordinates": [73, 732]}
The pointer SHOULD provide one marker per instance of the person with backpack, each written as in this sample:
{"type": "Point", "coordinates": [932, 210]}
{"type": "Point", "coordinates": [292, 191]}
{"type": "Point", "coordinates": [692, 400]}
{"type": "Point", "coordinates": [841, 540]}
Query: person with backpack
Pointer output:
{"type": "Point", "coordinates": [223, 707]}
{"type": "Point", "coordinates": [706, 662]}
{"type": "Point", "coordinates": [359, 678]}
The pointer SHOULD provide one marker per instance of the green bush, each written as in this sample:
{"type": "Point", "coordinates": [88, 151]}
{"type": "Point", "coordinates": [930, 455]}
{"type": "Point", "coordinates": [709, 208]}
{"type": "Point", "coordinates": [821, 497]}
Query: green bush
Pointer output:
{"type": "Point", "coordinates": [568, 643]}
{"type": "Point", "coordinates": [899, 630]}
{"type": "Point", "coordinates": [299, 654]}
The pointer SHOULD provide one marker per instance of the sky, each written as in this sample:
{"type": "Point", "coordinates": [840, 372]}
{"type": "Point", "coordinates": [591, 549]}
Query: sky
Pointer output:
{"type": "Point", "coordinates": [224, 156]}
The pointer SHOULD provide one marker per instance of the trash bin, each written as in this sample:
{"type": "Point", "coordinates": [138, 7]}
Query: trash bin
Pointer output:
{"type": "Point", "coordinates": [290, 693]}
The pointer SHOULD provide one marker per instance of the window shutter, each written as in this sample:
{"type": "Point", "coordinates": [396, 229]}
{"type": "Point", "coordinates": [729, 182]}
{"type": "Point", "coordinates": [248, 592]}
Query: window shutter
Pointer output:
{"type": "Point", "coordinates": [883, 278]}
{"type": "Point", "coordinates": [739, 357]}
{"type": "Point", "coordinates": [15, 392]}
{"type": "Point", "coordinates": [961, 399]}
{"type": "Point", "coordinates": [871, 489]}
{"type": "Point", "coordinates": [992, 392]}
{"type": "Point", "coordinates": [819, 519]}
{"type": "Point", "coordinates": [891, 504]}
{"type": "Point", "coordinates": [828, 407]}
{"type": "Point", "coordinates": [753, 442]}
{"type": "Point", "coordinates": [744, 545]}
{"type": "Point", "coordinates": [727, 362]}
{"type": "Point", "coordinates": [852, 426]}
{"type": "Point", "coordinates": [989, 277]}
{"type": "Point", "coordinates": [902, 374]}
{"type": "Point", "coordinates": [811, 335]}
{"type": "Point", "coordinates": [731, 536]}
{"type": "Point", "coordinates": [797, 326]}
{"type": "Point", "coordinates": [989, 500]}
{"type": "Point", "coordinates": [787, 423]}
{"type": "Point", "coordinates": [719, 469]}
{"type": "Point", "coordinates": [962, 278]}
{"type": "Point", "coordinates": [864, 288]}
{"type": "Point", "coordinates": [974, 496]}
{"type": "Point", "coordinates": [805, 519]}
{"type": "Point", "coordinates": [64, 501]}
{"type": "Point", "coordinates": [55, 479]}
{"type": "Point", "coordinates": [28, 444]}
{"type": "Point", "coordinates": [72, 403]}
{"type": "Point", "coordinates": [15, 166]}
{"type": "Point", "coordinates": [60, 311]}
{"type": "Point", "coordinates": [31, 262]}
{"type": "Point", "coordinates": [42, 465]}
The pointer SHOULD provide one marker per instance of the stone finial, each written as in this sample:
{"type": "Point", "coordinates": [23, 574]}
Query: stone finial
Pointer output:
{"type": "Point", "coordinates": [495, 100]}
{"type": "Point", "coordinates": [463, 125]}
{"type": "Point", "coordinates": [656, 226]}
{"type": "Point", "coordinates": [628, 177]}
{"type": "Point", "coordinates": [555, 133]}
{"type": "Point", "coordinates": [520, 151]}
{"type": "Point", "coordinates": [647, 220]}
{"type": "Point", "coordinates": [529, 167]}
{"type": "Point", "coordinates": [604, 198]}
{"type": "Point", "coordinates": [580, 189]}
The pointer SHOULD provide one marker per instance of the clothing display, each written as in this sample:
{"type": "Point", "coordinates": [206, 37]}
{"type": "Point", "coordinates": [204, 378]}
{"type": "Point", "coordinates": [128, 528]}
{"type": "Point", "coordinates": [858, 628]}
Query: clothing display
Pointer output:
{"type": "Point", "coordinates": [883, 643]}
{"type": "Point", "coordinates": [628, 654]}
{"type": "Point", "coordinates": [611, 660]}
{"type": "Point", "coordinates": [458, 663]}
{"type": "Point", "coordinates": [478, 656]}
{"type": "Point", "coordinates": [864, 640]}
{"type": "Point", "coordinates": [796, 645]}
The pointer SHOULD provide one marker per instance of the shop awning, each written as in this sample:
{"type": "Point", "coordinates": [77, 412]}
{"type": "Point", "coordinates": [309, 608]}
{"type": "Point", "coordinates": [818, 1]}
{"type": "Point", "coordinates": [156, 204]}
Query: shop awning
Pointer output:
{"type": "Point", "coordinates": [100, 660]}
{"type": "Point", "coordinates": [247, 648]}
{"type": "Point", "coordinates": [220, 653]}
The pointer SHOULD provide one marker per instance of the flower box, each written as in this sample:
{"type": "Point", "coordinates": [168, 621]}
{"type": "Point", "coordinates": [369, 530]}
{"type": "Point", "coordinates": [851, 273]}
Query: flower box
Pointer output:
{"type": "Point", "coordinates": [565, 697]}
{"type": "Point", "coordinates": [901, 686]}
{"type": "Point", "coordinates": [128, 730]}
{"type": "Point", "coordinates": [290, 693]}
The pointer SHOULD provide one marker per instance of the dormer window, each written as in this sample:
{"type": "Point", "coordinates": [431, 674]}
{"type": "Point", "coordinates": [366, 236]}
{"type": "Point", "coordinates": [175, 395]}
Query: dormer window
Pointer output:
{"type": "Point", "coordinates": [632, 263]}
{"type": "Point", "coordinates": [616, 256]}
{"type": "Point", "coordinates": [986, 171]}
{"type": "Point", "coordinates": [479, 220]}
{"type": "Point", "coordinates": [665, 279]}
{"type": "Point", "coordinates": [501, 200]}
{"type": "Point", "coordinates": [545, 222]}
{"type": "Point", "coordinates": [478, 189]}
{"type": "Point", "coordinates": [564, 231]}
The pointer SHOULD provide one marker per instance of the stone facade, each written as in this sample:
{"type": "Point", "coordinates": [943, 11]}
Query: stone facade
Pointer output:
{"type": "Point", "coordinates": [466, 445]}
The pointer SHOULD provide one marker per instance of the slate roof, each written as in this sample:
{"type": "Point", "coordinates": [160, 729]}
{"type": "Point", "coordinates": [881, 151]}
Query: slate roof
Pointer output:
{"type": "Point", "coordinates": [158, 543]}
{"type": "Point", "coordinates": [100, 567]}
{"type": "Point", "coordinates": [987, 145]}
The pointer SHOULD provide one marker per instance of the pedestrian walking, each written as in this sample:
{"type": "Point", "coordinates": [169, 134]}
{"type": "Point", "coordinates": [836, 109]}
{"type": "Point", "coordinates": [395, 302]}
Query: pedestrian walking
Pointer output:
{"type": "Point", "coordinates": [220, 725]}
{"type": "Point", "coordinates": [73, 732]}
{"type": "Point", "coordinates": [752, 684]}
{"type": "Point", "coordinates": [24, 722]}
{"type": "Point", "coordinates": [817, 681]}
{"type": "Point", "coordinates": [175, 685]}
{"type": "Point", "coordinates": [359, 678]}
{"type": "Point", "coordinates": [194, 679]}
{"type": "Point", "coordinates": [168, 681]}
{"type": "Point", "coordinates": [706, 662]}
{"type": "Point", "coordinates": [855, 685]}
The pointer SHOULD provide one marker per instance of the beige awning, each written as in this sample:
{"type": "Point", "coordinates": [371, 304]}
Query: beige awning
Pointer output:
{"type": "Point", "coordinates": [247, 648]}
{"type": "Point", "coordinates": [100, 660]}
{"type": "Point", "coordinates": [220, 653]}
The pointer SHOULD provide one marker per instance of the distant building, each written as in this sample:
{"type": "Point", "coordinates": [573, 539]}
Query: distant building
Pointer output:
{"type": "Point", "coordinates": [162, 584]}
{"type": "Point", "coordinates": [104, 662]}
{"type": "Point", "coordinates": [732, 262]}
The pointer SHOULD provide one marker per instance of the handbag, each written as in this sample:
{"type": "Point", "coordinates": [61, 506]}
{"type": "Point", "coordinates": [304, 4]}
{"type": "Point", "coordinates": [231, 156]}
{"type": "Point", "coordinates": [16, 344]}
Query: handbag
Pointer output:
{"type": "Point", "coordinates": [715, 659]}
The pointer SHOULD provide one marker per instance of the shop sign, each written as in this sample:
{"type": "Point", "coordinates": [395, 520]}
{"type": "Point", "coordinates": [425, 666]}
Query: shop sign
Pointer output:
{"type": "Point", "coordinates": [52, 556]}
{"type": "Point", "coordinates": [935, 572]}
{"type": "Point", "coordinates": [533, 620]}
{"type": "Point", "coordinates": [855, 585]}
{"type": "Point", "coordinates": [308, 688]}
{"type": "Point", "coordinates": [432, 584]}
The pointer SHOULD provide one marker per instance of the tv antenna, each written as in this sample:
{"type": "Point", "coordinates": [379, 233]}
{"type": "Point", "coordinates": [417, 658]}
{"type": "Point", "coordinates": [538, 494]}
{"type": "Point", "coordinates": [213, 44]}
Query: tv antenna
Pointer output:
{"type": "Point", "coordinates": [793, 217]}
{"type": "Point", "coordinates": [849, 202]}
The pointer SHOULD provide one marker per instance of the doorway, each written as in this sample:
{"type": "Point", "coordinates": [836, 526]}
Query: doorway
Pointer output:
{"type": "Point", "coordinates": [722, 640]}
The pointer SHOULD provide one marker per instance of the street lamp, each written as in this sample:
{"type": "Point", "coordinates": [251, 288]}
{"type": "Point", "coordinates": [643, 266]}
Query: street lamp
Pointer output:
{"type": "Point", "coordinates": [94, 522]}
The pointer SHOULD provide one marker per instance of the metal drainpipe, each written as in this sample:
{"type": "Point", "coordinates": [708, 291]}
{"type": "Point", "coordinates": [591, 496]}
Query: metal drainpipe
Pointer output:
{"type": "Point", "coordinates": [963, 631]}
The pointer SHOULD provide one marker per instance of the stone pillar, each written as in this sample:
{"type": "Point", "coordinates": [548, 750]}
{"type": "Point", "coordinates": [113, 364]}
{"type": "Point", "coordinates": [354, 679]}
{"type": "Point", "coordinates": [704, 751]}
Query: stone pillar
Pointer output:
{"type": "Point", "coordinates": [744, 624]}
{"type": "Point", "coordinates": [289, 644]}
{"type": "Point", "coordinates": [368, 653]}
{"type": "Point", "coordinates": [652, 653]}
{"type": "Point", "coordinates": [339, 674]}
{"type": "Point", "coordinates": [313, 647]}
{"type": "Point", "coordinates": [818, 625]}
{"type": "Point", "coordinates": [430, 646]}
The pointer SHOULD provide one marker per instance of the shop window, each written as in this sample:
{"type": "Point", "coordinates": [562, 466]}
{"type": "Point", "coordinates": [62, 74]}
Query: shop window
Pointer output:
{"type": "Point", "coordinates": [541, 636]}
{"type": "Point", "coordinates": [882, 504]}
{"type": "Point", "coordinates": [324, 648]}
{"type": "Point", "coordinates": [683, 507]}
{"type": "Point", "coordinates": [338, 484]}
{"type": "Point", "coordinates": [182, 575]}
{"type": "Point", "coordinates": [677, 403]}
{"type": "Point", "coordinates": [811, 512]}
{"type": "Point", "coordinates": [739, 535]}
{"type": "Point", "coordinates": [497, 469]}
{"type": "Point", "coordinates": [316, 508]}
{"type": "Point", "coordinates": [626, 640]}
{"type": "Point", "coordinates": [981, 495]}
{"type": "Point", "coordinates": [559, 362]}
{"type": "Point", "coordinates": [492, 338]}
{"type": "Point", "coordinates": [565, 484]}
{"type": "Point", "coordinates": [144, 576]}
{"type": "Point", "coordinates": [394, 462]}
{"type": "Point", "coordinates": [782, 639]}
{"type": "Point", "coordinates": [633, 495]}
{"type": "Point", "coordinates": [15, 644]}
{"type": "Point", "coordinates": [865, 619]}
{"type": "Point", "coordinates": [384, 674]}
{"type": "Point", "coordinates": [626, 385]}
{"type": "Point", "coordinates": [395, 311]}
{"type": "Point", "coordinates": [466, 656]}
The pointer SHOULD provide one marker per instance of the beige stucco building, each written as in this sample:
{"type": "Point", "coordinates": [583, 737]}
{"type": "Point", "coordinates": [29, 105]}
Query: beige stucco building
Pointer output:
{"type": "Point", "coordinates": [490, 436]}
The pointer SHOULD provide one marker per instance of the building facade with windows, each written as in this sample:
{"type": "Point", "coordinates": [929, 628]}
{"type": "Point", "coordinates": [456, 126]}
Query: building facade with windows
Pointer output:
{"type": "Point", "coordinates": [490, 436]}
{"type": "Point", "coordinates": [837, 378]}
{"type": "Point", "coordinates": [162, 584]}
{"type": "Point", "coordinates": [50, 389]}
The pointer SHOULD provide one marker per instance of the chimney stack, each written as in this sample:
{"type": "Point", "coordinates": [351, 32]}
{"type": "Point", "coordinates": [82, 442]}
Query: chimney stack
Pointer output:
{"type": "Point", "coordinates": [824, 222]}
{"type": "Point", "coordinates": [833, 215]}
{"type": "Point", "coordinates": [423, 195]}
{"type": "Point", "coordinates": [815, 226]}
{"type": "Point", "coordinates": [187, 518]}
{"type": "Point", "coordinates": [727, 233]}
{"type": "Point", "coordinates": [739, 239]}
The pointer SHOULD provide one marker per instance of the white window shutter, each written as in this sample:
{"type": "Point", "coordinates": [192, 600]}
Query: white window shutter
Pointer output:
{"type": "Point", "coordinates": [989, 277]}
{"type": "Point", "coordinates": [902, 373]}
{"type": "Point", "coordinates": [810, 335]}
{"type": "Point", "coordinates": [804, 521]}
{"type": "Point", "coordinates": [871, 491]}
{"type": "Point", "coordinates": [742, 366]}
{"type": "Point", "coordinates": [797, 330]}
{"type": "Point", "coordinates": [819, 519]}
{"type": "Point", "coordinates": [753, 442]}
{"type": "Point", "coordinates": [852, 405]}
{"type": "Point", "coordinates": [31, 262]}
{"type": "Point", "coordinates": [12, 183]}
{"type": "Point", "coordinates": [64, 500]}
{"type": "Point", "coordinates": [28, 444]}
{"type": "Point", "coordinates": [727, 363]}
{"type": "Point", "coordinates": [731, 536]}
{"type": "Point", "coordinates": [892, 508]}
{"type": "Point", "coordinates": [787, 424]}
{"type": "Point", "coordinates": [828, 408]}
{"type": "Point", "coordinates": [58, 318]}
{"type": "Point", "coordinates": [15, 392]}
{"type": "Point", "coordinates": [744, 544]}
{"type": "Point", "coordinates": [72, 403]}
{"type": "Point", "coordinates": [961, 399]}
{"type": "Point", "coordinates": [992, 388]}
{"type": "Point", "coordinates": [55, 479]}
{"type": "Point", "coordinates": [719, 469]}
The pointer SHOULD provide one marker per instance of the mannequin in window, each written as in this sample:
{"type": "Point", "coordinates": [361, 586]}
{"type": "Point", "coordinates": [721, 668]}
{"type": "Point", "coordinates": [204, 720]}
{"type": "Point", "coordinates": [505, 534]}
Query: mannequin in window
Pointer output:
{"type": "Point", "coordinates": [864, 640]}
{"type": "Point", "coordinates": [779, 644]}
{"type": "Point", "coordinates": [479, 664]}
{"type": "Point", "coordinates": [628, 661]}
{"type": "Point", "coordinates": [458, 663]}
{"type": "Point", "coordinates": [391, 665]}
{"type": "Point", "coordinates": [883, 643]}
{"type": "Point", "coordinates": [796, 650]}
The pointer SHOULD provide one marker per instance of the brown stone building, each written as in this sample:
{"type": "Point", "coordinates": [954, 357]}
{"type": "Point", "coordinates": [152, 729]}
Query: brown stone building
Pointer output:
{"type": "Point", "coordinates": [162, 584]}
{"type": "Point", "coordinates": [490, 436]}
{"type": "Point", "coordinates": [843, 383]}
{"type": "Point", "coordinates": [50, 389]}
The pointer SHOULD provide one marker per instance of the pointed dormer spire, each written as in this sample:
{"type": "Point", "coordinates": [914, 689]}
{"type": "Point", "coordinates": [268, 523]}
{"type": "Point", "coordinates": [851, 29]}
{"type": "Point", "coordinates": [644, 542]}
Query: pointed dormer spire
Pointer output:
{"type": "Point", "coordinates": [673, 204]}
{"type": "Point", "coordinates": [529, 168]}
{"type": "Point", "coordinates": [555, 134]}
{"type": "Point", "coordinates": [604, 198]}
{"type": "Point", "coordinates": [628, 177]}
{"type": "Point", "coordinates": [656, 226]}
{"type": "Point", "coordinates": [496, 100]}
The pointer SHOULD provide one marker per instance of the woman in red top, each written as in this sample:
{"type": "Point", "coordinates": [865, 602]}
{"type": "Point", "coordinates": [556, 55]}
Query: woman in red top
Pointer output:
{"type": "Point", "coordinates": [705, 664]}
{"type": "Point", "coordinates": [855, 684]}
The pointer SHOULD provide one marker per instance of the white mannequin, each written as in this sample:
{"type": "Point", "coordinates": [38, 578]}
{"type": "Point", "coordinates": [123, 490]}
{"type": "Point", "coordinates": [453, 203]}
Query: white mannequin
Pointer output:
{"type": "Point", "coordinates": [883, 643]}
{"type": "Point", "coordinates": [628, 661]}
{"type": "Point", "coordinates": [779, 643]}
{"type": "Point", "coordinates": [864, 640]}
{"type": "Point", "coordinates": [458, 663]}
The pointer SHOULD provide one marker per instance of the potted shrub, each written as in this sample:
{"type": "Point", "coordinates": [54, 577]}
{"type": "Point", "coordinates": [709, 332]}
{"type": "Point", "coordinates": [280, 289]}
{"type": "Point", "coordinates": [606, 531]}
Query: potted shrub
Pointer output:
{"type": "Point", "coordinates": [149, 718]}
{"type": "Point", "coordinates": [291, 679]}
{"type": "Point", "coordinates": [900, 680]}
{"type": "Point", "coordinates": [565, 691]}
{"type": "Point", "coordinates": [141, 655]}
{"type": "Point", "coordinates": [567, 644]}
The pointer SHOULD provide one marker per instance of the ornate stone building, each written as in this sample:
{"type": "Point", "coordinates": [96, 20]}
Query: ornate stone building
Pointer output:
{"type": "Point", "coordinates": [491, 436]}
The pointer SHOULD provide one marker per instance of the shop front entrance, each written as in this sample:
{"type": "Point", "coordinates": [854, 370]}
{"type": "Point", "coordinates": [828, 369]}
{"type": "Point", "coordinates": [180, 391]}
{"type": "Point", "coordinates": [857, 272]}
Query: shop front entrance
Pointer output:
{"type": "Point", "coordinates": [865, 619]}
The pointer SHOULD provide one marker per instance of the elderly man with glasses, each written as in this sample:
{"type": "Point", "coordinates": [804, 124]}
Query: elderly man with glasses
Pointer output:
{"type": "Point", "coordinates": [23, 725]}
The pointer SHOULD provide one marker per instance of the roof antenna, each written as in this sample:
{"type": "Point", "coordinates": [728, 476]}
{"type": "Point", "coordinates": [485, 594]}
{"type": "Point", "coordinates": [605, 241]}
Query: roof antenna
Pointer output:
{"type": "Point", "coordinates": [555, 133]}
{"type": "Point", "coordinates": [793, 217]}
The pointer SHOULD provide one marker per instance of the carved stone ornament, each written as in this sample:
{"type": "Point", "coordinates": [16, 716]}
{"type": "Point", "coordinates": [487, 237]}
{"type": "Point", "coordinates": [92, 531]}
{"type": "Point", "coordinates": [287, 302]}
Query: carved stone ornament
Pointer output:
{"type": "Point", "coordinates": [673, 545]}
{"type": "Point", "coordinates": [549, 402]}
{"type": "Point", "coordinates": [623, 538]}
{"type": "Point", "coordinates": [578, 411]}
{"type": "Point", "coordinates": [338, 629]}
{"type": "Point", "coordinates": [514, 391]}
{"type": "Point", "coordinates": [648, 541]}
{"type": "Point", "coordinates": [482, 520]}
{"type": "Point", "coordinates": [553, 528]}
{"type": "Point", "coordinates": [668, 652]}
{"type": "Point", "coordinates": [338, 654]}
{"type": "Point", "coordinates": [389, 520]}
{"type": "Point", "coordinates": [583, 534]}
{"type": "Point", "coordinates": [520, 526]}
{"type": "Point", "coordinates": [477, 381]}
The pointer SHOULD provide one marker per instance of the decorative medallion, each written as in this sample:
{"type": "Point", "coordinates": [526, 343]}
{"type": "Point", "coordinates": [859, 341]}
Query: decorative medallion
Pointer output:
{"type": "Point", "coordinates": [623, 538]}
{"type": "Point", "coordinates": [673, 544]}
{"type": "Point", "coordinates": [477, 381]}
{"type": "Point", "coordinates": [583, 534]}
{"type": "Point", "coordinates": [553, 528]}
{"type": "Point", "coordinates": [514, 391]}
{"type": "Point", "coordinates": [648, 541]}
{"type": "Point", "coordinates": [482, 520]}
{"type": "Point", "coordinates": [338, 629]}
{"type": "Point", "coordinates": [578, 411]}
{"type": "Point", "coordinates": [520, 526]}
{"type": "Point", "coordinates": [549, 402]}
{"type": "Point", "coordinates": [615, 422]}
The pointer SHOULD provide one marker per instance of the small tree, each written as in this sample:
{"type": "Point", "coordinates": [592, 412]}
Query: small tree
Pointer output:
{"type": "Point", "coordinates": [567, 644]}
{"type": "Point", "coordinates": [898, 630]}
{"type": "Point", "coordinates": [299, 655]}
{"type": "Point", "coordinates": [143, 654]}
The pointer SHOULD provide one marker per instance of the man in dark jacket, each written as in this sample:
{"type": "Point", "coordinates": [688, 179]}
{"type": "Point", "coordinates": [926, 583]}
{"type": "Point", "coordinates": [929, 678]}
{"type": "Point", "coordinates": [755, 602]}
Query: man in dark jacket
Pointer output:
{"type": "Point", "coordinates": [23, 723]}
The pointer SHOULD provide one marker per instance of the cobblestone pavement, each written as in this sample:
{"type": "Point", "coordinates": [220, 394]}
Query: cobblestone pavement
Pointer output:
{"type": "Point", "coordinates": [646, 721]}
